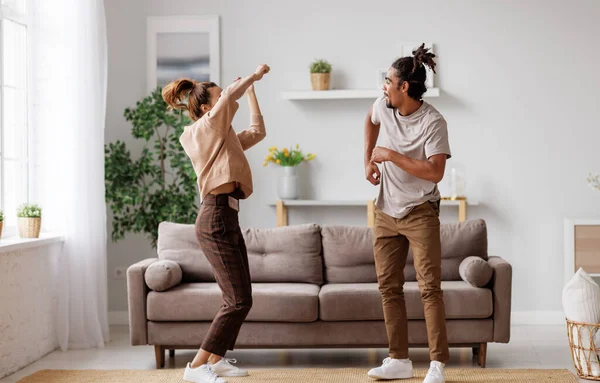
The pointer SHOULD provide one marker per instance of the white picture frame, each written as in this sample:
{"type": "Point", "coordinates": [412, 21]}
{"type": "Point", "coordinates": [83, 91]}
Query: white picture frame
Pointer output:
{"type": "Point", "coordinates": [182, 46]}
{"type": "Point", "coordinates": [381, 74]}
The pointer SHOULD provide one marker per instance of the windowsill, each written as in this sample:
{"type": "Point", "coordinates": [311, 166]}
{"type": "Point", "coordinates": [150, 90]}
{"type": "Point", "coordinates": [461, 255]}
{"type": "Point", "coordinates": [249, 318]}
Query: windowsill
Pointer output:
{"type": "Point", "coordinates": [16, 243]}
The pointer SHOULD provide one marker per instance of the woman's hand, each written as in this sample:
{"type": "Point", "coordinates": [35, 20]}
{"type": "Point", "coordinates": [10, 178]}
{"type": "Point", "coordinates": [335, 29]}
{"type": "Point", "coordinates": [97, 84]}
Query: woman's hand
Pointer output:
{"type": "Point", "coordinates": [260, 71]}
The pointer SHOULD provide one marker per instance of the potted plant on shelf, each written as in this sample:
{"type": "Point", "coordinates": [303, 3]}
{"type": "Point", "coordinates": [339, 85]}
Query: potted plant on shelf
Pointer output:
{"type": "Point", "coordinates": [289, 159]}
{"type": "Point", "coordinates": [320, 73]}
{"type": "Point", "coordinates": [30, 220]}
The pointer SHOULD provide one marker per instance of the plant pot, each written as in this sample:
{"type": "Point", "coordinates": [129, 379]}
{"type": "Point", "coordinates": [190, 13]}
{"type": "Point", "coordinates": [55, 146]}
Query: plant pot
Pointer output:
{"type": "Point", "coordinates": [320, 81]}
{"type": "Point", "coordinates": [287, 187]}
{"type": "Point", "coordinates": [1, 223]}
{"type": "Point", "coordinates": [29, 227]}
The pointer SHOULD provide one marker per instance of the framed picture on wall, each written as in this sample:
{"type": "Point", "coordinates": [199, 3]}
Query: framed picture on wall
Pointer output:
{"type": "Point", "coordinates": [381, 73]}
{"type": "Point", "coordinates": [182, 46]}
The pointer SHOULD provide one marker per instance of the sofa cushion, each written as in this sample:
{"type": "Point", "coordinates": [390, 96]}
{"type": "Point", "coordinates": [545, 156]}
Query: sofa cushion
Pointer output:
{"type": "Point", "coordinates": [476, 271]}
{"type": "Point", "coordinates": [348, 251]}
{"type": "Point", "coordinates": [274, 302]}
{"type": "Point", "coordinates": [362, 301]}
{"type": "Point", "coordinates": [177, 242]}
{"type": "Point", "coordinates": [162, 275]}
{"type": "Point", "coordinates": [284, 254]}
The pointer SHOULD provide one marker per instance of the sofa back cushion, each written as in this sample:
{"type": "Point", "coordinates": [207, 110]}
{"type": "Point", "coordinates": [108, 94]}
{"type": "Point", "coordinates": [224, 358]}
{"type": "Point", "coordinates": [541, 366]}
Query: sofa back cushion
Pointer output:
{"type": "Point", "coordinates": [283, 254]}
{"type": "Point", "coordinates": [348, 251]}
{"type": "Point", "coordinates": [177, 242]}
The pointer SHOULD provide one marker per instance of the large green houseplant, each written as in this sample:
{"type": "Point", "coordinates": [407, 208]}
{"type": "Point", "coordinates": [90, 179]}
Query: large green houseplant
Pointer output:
{"type": "Point", "coordinates": [161, 184]}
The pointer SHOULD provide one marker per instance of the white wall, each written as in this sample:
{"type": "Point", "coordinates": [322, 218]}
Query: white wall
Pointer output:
{"type": "Point", "coordinates": [519, 92]}
{"type": "Point", "coordinates": [28, 295]}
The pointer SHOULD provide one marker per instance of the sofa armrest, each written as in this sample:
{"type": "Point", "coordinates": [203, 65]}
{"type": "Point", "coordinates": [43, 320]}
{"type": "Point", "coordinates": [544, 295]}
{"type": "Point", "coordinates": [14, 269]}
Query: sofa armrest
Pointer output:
{"type": "Point", "coordinates": [137, 290]}
{"type": "Point", "coordinates": [502, 292]}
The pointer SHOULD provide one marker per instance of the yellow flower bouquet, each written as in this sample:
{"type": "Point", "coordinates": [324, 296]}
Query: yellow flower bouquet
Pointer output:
{"type": "Point", "coordinates": [287, 157]}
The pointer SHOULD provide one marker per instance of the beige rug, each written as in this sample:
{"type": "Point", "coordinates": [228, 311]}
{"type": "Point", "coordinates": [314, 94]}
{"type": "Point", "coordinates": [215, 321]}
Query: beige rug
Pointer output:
{"type": "Point", "coordinates": [308, 375]}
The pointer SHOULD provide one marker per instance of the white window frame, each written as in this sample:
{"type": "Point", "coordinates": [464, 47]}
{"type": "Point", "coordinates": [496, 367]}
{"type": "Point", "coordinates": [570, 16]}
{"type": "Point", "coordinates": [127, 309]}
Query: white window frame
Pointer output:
{"type": "Point", "coordinates": [27, 20]}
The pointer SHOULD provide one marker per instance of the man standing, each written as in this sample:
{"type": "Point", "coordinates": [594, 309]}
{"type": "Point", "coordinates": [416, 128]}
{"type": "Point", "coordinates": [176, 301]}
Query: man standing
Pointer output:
{"type": "Point", "coordinates": [412, 154]}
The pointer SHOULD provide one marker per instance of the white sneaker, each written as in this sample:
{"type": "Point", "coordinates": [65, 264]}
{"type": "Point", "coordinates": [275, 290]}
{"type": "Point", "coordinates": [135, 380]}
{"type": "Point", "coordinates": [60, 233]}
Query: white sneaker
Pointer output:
{"type": "Point", "coordinates": [202, 374]}
{"type": "Point", "coordinates": [224, 367]}
{"type": "Point", "coordinates": [393, 369]}
{"type": "Point", "coordinates": [435, 373]}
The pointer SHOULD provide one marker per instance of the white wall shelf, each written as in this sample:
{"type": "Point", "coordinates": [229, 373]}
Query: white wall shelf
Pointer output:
{"type": "Point", "coordinates": [343, 94]}
{"type": "Point", "coordinates": [282, 205]}
{"type": "Point", "coordinates": [313, 202]}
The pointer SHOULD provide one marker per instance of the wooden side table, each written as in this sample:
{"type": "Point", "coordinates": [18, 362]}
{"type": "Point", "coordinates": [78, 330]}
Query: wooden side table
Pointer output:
{"type": "Point", "coordinates": [582, 246]}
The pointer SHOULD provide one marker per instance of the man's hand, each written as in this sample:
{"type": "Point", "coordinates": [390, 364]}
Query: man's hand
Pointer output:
{"type": "Point", "coordinates": [381, 154]}
{"type": "Point", "coordinates": [372, 173]}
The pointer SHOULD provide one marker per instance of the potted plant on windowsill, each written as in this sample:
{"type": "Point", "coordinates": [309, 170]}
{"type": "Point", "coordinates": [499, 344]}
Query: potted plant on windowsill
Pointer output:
{"type": "Point", "coordinates": [30, 220]}
{"type": "Point", "coordinates": [320, 74]}
{"type": "Point", "coordinates": [1, 222]}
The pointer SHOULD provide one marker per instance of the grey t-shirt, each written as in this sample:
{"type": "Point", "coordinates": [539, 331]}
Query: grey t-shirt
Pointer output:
{"type": "Point", "coordinates": [419, 136]}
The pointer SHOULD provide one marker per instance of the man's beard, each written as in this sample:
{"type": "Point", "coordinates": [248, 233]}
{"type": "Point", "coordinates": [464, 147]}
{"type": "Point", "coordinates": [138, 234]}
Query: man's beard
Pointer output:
{"type": "Point", "coordinates": [388, 103]}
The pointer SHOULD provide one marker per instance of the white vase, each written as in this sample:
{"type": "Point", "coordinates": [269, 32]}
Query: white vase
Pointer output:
{"type": "Point", "coordinates": [287, 187]}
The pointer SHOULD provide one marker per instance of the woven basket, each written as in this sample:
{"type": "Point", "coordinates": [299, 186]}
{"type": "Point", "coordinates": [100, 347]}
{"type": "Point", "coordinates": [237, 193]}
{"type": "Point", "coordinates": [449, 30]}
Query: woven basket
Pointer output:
{"type": "Point", "coordinates": [320, 81]}
{"type": "Point", "coordinates": [584, 352]}
{"type": "Point", "coordinates": [29, 227]}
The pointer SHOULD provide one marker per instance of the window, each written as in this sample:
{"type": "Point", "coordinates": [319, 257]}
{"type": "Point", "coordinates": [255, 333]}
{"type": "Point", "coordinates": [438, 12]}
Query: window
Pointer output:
{"type": "Point", "coordinates": [15, 22]}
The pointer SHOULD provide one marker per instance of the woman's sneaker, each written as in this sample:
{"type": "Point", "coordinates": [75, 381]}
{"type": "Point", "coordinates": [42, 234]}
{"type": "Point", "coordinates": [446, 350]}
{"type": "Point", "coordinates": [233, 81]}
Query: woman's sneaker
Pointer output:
{"type": "Point", "coordinates": [224, 367]}
{"type": "Point", "coordinates": [202, 374]}
{"type": "Point", "coordinates": [393, 369]}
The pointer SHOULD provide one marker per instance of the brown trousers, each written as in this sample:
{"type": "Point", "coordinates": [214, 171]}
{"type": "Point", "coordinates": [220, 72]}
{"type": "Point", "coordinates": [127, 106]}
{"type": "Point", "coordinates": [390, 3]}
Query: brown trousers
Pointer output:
{"type": "Point", "coordinates": [420, 230]}
{"type": "Point", "coordinates": [220, 238]}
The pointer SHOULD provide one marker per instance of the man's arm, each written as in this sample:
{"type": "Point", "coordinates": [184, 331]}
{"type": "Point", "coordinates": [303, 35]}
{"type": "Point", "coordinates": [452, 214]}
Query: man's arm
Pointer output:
{"type": "Point", "coordinates": [371, 135]}
{"type": "Point", "coordinates": [431, 169]}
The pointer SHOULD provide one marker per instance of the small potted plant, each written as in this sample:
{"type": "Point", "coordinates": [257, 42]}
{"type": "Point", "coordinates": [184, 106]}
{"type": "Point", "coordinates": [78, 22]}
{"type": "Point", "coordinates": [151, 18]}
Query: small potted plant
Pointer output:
{"type": "Point", "coordinates": [1, 222]}
{"type": "Point", "coordinates": [30, 220]}
{"type": "Point", "coordinates": [320, 72]}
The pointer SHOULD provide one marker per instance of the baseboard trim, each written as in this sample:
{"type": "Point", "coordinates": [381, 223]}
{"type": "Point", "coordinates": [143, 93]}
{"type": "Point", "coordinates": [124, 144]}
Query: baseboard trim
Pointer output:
{"type": "Point", "coordinates": [118, 318]}
{"type": "Point", "coordinates": [537, 318]}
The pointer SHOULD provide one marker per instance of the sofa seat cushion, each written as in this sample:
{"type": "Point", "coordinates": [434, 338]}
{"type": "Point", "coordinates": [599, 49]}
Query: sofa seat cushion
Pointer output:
{"type": "Point", "coordinates": [273, 302]}
{"type": "Point", "coordinates": [362, 301]}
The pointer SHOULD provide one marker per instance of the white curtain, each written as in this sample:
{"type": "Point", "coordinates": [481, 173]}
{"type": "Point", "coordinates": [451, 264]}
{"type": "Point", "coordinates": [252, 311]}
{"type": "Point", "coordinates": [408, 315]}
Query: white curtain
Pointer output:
{"type": "Point", "coordinates": [69, 93]}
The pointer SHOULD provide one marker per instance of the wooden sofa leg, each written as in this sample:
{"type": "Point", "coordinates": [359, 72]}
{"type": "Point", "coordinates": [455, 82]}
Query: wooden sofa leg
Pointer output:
{"type": "Point", "coordinates": [481, 358]}
{"type": "Point", "coordinates": [172, 353]}
{"type": "Point", "coordinates": [159, 352]}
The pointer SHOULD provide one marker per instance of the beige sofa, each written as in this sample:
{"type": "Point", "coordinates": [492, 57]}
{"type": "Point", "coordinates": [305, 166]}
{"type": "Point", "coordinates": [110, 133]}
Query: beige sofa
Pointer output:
{"type": "Point", "coordinates": [315, 287]}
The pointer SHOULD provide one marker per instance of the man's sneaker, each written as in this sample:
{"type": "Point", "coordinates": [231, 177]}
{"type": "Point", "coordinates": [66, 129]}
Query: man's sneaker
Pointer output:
{"type": "Point", "coordinates": [202, 374]}
{"type": "Point", "coordinates": [435, 373]}
{"type": "Point", "coordinates": [224, 367]}
{"type": "Point", "coordinates": [393, 369]}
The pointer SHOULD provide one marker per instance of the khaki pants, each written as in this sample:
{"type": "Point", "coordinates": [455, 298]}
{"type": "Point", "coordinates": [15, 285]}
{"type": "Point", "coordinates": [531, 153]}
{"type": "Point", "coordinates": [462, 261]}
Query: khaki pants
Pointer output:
{"type": "Point", "coordinates": [421, 230]}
